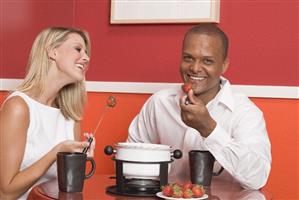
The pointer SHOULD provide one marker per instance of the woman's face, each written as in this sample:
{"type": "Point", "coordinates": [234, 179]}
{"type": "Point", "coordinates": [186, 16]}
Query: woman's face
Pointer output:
{"type": "Point", "coordinates": [71, 58]}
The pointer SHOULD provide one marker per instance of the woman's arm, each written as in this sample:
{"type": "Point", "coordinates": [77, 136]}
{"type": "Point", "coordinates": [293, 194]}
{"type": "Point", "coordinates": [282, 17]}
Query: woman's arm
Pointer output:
{"type": "Point", "coordinates": [14, 122]}
{"type": "Point", "coordinates": [77, 131]}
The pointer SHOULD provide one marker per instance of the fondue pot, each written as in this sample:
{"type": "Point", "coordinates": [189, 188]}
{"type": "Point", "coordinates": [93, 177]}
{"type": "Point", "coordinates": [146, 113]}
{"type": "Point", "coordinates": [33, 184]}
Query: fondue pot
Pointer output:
{"type": "Point", "coordinates": [142, 160]}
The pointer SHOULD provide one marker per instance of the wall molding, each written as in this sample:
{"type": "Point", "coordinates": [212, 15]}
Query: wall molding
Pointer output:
{"type": "Point", "coordinates": [263, 91]}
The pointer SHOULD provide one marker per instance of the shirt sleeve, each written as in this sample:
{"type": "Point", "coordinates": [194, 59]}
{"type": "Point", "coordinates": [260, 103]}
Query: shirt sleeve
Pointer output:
{"type": "Point", "coordinates": [143, 127]}
{"type": "Point", "coordinates": [245, 153]}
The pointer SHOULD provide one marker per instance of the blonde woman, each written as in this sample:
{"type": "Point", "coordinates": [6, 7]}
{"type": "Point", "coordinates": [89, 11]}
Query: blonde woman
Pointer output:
{"type": "Point", "coordinates": [42, 117]}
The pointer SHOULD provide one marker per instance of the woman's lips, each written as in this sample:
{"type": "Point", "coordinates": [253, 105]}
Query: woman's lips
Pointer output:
{"type": "Point", "coordinates": [80, 66]}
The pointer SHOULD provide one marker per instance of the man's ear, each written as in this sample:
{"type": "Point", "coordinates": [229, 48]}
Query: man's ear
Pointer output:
{"type": "Point", "coordinates": [225, 65]}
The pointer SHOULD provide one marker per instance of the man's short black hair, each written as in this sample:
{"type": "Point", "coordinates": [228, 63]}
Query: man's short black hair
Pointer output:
{"type": "Point", "coordinates": [212, 30]}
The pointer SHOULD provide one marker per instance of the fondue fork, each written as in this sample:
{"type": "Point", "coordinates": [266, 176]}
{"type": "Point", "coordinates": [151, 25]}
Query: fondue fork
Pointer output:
{"type": "Point", "coordinates": [90, 139]}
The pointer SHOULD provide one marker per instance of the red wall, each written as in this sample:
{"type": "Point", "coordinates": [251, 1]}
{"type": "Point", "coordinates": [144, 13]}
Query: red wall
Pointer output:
{"type": "Point", "coordinates": [21, 21]}
{"type": "Point", "coordinates": [264, 41]}
{"type": "Point", "coordinates": [264, 51]}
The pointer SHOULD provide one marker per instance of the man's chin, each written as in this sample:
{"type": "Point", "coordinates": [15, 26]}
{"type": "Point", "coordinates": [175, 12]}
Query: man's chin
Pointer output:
{"type": "Point", "coordinates": [197, 92]}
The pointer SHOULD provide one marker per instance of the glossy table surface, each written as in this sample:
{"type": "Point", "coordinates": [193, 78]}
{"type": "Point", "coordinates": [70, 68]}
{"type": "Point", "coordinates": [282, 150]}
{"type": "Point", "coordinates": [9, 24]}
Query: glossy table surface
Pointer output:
{"type": "Point", "coordinates": [95, 188]}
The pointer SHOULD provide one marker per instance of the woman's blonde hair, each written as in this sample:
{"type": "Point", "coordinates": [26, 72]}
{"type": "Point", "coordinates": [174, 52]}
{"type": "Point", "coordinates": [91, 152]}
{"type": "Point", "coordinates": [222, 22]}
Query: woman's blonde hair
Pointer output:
{"type": "Point", "coordinates": [71, 98]}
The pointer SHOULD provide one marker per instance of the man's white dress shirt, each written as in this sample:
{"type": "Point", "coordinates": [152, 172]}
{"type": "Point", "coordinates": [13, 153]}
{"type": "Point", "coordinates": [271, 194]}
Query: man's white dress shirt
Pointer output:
{"type": "Point", "coordinates": [239, 142]}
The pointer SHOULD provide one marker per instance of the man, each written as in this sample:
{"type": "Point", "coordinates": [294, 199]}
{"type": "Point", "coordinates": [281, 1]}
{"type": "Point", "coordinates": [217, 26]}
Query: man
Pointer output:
{"type": "Point", "coordinates": [214, 118]}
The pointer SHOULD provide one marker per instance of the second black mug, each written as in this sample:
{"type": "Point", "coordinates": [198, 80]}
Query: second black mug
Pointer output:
{"type": "Point", "coordinates": [201, 167]}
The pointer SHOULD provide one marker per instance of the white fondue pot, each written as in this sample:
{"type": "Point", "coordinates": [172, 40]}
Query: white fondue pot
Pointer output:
{"type": "Point", "coordinates": [146, 155]}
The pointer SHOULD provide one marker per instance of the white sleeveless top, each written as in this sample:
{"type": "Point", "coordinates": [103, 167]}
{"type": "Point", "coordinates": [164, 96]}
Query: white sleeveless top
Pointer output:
{"type": "Point", "coordinates": [47, 128]}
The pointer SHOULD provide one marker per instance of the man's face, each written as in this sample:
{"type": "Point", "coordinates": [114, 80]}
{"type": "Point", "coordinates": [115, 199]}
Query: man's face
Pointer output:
{"type": "Point", "coordinates": [202, 64]}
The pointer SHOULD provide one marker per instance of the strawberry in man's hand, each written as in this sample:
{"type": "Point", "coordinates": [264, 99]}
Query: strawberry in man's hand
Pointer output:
{"type": "Point", "coordinates": [186, 87]}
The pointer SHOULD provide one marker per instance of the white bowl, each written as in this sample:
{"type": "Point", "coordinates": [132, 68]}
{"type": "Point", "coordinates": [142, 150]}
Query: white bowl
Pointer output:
{"type": "Point", "coordinates": [142, 152]}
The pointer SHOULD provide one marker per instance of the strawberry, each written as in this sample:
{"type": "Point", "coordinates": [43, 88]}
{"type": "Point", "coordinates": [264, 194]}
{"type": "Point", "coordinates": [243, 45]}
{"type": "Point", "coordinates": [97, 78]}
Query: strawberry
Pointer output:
{"type": "Point", "coordinates": [177, 190]}
{"type": "Point", "coordinates": [186, 87]}
{"type": "Point", "coordinates": [167, 190]}
{"type": "Point", "coordinates": [187, 193]}
{"type": "Point", "coordinates": [177, 193]}
{"type": "Point", "coordinates": [187, 185]}
{"type": "Point", "coordinates": [176, 186]}
{"type": "Point", "coordinates": [111, 101]}
{"type": "Point", "coordinates": [198, 191]}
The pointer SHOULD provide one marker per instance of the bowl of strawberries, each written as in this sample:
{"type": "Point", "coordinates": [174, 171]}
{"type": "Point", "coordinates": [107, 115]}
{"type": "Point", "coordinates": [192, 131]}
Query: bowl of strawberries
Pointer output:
{"type": "Point", "coordinates": [184, 191]}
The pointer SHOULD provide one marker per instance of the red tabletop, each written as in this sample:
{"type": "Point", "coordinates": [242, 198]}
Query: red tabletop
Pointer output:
{"type": "Point", "coordinates": [95, 188]}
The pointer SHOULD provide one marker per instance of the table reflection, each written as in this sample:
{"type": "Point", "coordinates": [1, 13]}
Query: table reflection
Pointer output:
{"type": "Point", "coordinates": [70, 196]}
{"type": "Point", "coordinates": [95, 188]}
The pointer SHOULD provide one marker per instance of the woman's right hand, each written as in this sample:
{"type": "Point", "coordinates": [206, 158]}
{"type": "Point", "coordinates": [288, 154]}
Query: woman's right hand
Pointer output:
{"type": "Point", "coordinates": [71, 146]}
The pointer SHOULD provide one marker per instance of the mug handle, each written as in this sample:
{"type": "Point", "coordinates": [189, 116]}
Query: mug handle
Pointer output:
{"type": "Point", "coordinates": [219, 172]}
{"type": "Point", "coordinates": [93, 167]}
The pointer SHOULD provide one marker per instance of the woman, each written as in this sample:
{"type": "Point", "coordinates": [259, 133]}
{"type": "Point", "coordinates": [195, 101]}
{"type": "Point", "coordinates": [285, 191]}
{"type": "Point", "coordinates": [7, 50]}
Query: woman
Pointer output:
{"type": "Point", "coordinates": [42, 116]}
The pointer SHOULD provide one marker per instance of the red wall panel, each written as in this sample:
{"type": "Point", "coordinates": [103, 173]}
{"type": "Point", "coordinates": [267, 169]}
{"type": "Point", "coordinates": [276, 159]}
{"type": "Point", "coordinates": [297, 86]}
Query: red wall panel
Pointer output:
{"type": "Point", "coordinates": [264, 41]}
{"type": "Point", "coordinates": [263, 51]}
{"type": "Point", "coordinates": [283, 134]}
{"type": "Point", "coordinates": [21, 21]}
{"type": "Point", "coordinates": [263, 44]}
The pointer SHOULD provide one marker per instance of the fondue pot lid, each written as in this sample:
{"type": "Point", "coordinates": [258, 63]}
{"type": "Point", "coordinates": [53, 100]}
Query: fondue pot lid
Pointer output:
{"type": "Point", "coordinates": [143, 146]}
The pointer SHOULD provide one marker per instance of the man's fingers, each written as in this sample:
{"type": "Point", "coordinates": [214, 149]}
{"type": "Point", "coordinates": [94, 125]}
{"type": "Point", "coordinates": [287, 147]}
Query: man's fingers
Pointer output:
{"type": "Point", "coordinates": [183, 100]}
{"type": "Point", "coordinates": [191, 97]}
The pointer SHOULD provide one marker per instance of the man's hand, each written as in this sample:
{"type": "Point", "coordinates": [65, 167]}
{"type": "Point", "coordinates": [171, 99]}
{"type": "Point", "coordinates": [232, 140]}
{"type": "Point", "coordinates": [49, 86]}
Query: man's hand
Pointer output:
{"type": "Point", "coordinates": [196, 114]}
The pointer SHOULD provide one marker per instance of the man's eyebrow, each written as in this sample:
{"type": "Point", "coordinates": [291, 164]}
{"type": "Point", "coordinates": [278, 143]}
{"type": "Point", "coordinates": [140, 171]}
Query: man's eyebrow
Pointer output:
{"type": "Point", "coordinates": [208, 56]}
{"type": "Point", "coordinates": [186, 53]}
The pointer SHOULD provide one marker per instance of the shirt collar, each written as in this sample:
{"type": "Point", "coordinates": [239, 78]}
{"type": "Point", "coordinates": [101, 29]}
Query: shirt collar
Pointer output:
{"type": "Point", "coordinates": [225, 95]}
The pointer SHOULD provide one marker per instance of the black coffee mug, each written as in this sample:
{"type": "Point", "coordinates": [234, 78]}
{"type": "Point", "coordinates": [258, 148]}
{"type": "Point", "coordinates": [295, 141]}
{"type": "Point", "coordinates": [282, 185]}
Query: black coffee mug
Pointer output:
{"type": "Point", "coordinates": [201, 167]}
{"type": "Point", "coordinates": [71, 171]}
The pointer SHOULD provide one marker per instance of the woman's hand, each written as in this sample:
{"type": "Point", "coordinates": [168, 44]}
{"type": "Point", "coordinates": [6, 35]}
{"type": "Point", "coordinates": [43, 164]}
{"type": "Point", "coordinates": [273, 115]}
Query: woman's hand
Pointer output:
{"type": "Point", "coordinates": [71, 146]}
{"type": "Point", "coordinates": [90, 152]}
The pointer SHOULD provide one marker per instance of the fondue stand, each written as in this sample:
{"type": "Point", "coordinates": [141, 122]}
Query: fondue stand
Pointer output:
{"type": "Point", "coordinates": [139, 186]}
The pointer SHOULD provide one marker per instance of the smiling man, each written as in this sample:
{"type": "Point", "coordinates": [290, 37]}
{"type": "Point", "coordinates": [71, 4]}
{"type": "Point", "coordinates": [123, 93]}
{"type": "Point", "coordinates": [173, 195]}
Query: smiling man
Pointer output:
{"type": "Point", "coordinates": [215, 118]}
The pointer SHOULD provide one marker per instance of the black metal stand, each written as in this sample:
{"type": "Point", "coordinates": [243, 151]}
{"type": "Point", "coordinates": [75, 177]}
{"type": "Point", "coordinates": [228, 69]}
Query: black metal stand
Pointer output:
{"type": "Point", "coordinates": [120, 187]}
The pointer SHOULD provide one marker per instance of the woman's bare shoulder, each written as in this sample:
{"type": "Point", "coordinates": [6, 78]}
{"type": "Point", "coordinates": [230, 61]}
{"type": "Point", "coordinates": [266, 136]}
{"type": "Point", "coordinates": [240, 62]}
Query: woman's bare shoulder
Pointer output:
{"type": "Point", "coordinates": [15, 106]}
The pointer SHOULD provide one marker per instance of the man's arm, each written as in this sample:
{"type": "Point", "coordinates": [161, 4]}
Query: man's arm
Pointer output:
{"type": "Point", "coordinates": [246, 152]}
{"type": "Point", "coordinates": [143, 127]}
{"type": "Point", "coordinates": [243, 149]}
